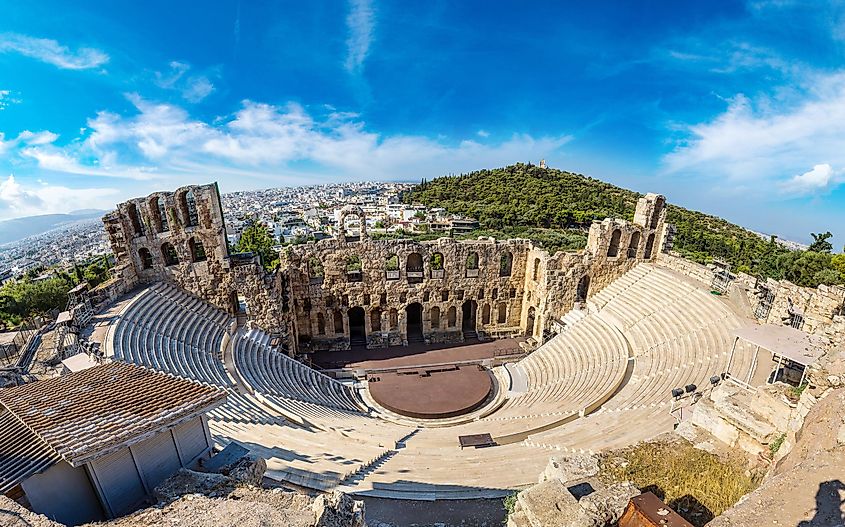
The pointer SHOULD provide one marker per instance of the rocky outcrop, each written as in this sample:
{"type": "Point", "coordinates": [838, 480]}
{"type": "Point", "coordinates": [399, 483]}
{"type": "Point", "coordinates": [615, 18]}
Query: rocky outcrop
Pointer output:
{"type": "Point", "coordinates": [804, 489]}
{"type": "Point", "coordinates": [552, 503]}
{"type": "Point", "coordinates": [338, 510]}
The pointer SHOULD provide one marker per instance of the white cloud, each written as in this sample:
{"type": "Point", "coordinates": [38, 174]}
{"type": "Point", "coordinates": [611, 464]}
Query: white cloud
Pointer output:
{"type": "Point", "coordinates": [483, 133]}
{"type": "Point", "coordinates": [18, 200]}
{"type": "Point", "coordinates": [762, 141]}
{"type": "Point", "coordinates": [6, 99]}
{"type": "Point", "coordinates": [360, 23]}
{"type": "Point", "coordinates": [286, 144]}
{"type": "Point", "coordinates": [51, 52]}
{"type": "Point", "coordinates": [193, 88]}
{"type": "Point", "coordinates": [820, 178]}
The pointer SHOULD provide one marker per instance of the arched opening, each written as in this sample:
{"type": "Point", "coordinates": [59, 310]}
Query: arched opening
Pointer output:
{"type": "Point", "coordinates": [529, 323]}
{"type": "Point", "coordinates": [352, 223]}
{"type": "Point", "coordinates": [315, 271]}
{"type": "Point", "coordinates": [506, 264]}
{"type": "Point", "coordinates": [468, 317]}
{"type": "Point", "coordinates": [375, 319]}
{"type": "Point", "coordinates": [168, 254]}
{"type": "Point", "coordinates": [634, 244]}
{"type": "Point", "coordinates": [393, 315]}
{"type": "Point", "coordinates": [338, 322]}
{"type": "Point", "coordinates": [452, 317]}
{"type": "Point", "coordinates": [649, 246]}
{"type": "Point", "coordinates": [391, 267]}
{"type": "Point", "coordinates": [321, 324]}
{"type": "Point", "coordinates": [613, 247]}
{"type": "Point", "coordinates": [502, 313]}
{"type": "Point", "coordinates": [189, 209]}
{"type": "Point", "coordinates": [357, 332]}
{"type": "Point", "coordinates": [146, 258]}
{"type": "Point", "coordinates": [197, 250]}
{"type": "Point", "coordinates": [414, 268]}
{"type": "Point", "coordinates": [414, 318]}
{"type": "Point", "coordinates": [472, 265]}
{"type": "Point", "coordinates": [239, 303]}
{"type": "Point", "coordinates": [535, 275]}
{"type": "Point", "coordinates": [159, 212]}
{"type": "Point", "coordinates": [583, 289]}
{"type": "Point", "coordinates": [135, 219]}
{"type": "Point", "coordinates": [435, 264]}
{"type": "Point", "coordinates": [485, 314]}
{"type": "Point", "coordinates": [353, 269]}
{"type": "Point", "coordinates": [655, 215]}
{"type": "Point", "coordinates": [435, 317]}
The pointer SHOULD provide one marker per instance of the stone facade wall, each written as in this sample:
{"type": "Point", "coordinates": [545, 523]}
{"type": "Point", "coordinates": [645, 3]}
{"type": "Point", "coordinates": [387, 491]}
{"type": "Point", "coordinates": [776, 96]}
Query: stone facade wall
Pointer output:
{"type": "Point", "coordinates": [141, 238]}
{"type": "Point", "coordinates": [329, 293]}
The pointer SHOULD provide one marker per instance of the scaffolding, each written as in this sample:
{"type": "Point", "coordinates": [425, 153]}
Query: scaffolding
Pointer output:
{"type": "Point", "coordinates": [766, 298]}
{"type": "Point", "coordinates": [722, 277]}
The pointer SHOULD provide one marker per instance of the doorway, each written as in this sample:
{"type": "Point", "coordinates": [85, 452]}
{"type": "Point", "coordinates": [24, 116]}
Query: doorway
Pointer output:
{"type": "Point", "coordinates": [357, 332]}
{"type": "Point", "coordinates": [414, 317]}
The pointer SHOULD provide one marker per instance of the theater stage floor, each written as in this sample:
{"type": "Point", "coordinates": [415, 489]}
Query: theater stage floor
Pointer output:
{"type": "Point", "coordinates": [415, 354]}
{"type": "Point", "coordinates": [431, 393]}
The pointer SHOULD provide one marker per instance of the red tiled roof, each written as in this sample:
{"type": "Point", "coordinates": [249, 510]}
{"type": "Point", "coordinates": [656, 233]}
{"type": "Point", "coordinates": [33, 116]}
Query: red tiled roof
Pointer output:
{"type": "Point", "coordinates": [90, 413]}
{"type": "Point", "coordinates": [22, 452]}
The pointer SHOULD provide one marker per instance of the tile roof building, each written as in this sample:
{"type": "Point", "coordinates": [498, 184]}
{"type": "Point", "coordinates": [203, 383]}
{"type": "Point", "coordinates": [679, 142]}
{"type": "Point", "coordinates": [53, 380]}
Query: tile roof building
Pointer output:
{"type": "Point", "coordinates": [93, 444]}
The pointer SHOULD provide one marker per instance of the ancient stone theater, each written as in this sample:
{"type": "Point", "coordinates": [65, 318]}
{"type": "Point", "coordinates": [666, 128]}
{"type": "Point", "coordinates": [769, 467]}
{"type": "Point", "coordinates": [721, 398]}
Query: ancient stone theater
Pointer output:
{"type": "Point", "coordinates": [406, 369]}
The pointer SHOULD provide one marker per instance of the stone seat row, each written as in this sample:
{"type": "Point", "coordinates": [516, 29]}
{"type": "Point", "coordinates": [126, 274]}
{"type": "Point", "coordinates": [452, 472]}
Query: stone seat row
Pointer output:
{"type": "Point", "coordinates": [272, 373]}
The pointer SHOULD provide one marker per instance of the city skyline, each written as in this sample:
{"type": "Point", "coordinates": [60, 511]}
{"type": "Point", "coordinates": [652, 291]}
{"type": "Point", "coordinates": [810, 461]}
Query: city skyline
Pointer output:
{"type": "Point", "coordinates": [731, 108]}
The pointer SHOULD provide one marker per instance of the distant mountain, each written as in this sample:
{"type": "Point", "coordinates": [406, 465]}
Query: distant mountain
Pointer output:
{"type": "Point", "coordinates": [19, 228]}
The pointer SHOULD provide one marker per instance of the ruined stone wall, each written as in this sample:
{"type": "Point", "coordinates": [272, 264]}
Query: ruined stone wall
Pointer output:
{"type": "Point", "coordinates": [323, 293]}
{"type": "Point", "coordinates": [169, 236]}
{"type": "Point", "coordinates": [694, 270]}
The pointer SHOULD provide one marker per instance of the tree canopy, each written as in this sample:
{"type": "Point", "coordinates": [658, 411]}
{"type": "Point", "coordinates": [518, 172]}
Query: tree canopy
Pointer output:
{"type": "Point", "coordinates": [256, 239]}
{"type": "Point", "coordinates": [524, 197]}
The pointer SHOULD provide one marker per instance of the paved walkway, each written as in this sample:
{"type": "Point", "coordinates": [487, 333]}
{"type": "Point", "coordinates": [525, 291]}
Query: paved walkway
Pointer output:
{"type": "Point", "coordinates": [415, 354]}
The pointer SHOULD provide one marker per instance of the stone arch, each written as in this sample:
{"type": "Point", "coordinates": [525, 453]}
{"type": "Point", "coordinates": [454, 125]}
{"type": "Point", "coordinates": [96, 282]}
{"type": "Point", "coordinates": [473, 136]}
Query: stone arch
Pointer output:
{"type": "Point", "coordinates": [435, 317]}
{"type": "Point", "coordinates": [469, 315]}
{"type": "Point", "coordinates": [391, 267]}
{"type": "Point", "coordinates": [158, 210]}
{"type": "Point", "coordinates": [414, 325]}
{"type": "Point", "coordinates": [348, 235]}
{"type": "Point", "coordinates": [435, 265]}
{"type": "Point", "coordinates": [197, 250]}
{"type": "Point", "coordinates": [634, 244]}
{"type": "Point", "coordinates": [146, 258]}
{"type": "Point", "coordinates": [485, 314]}
{"type": "Point", "coordinates": [536, 273]}
{"type": "Point", "coordinates": [354, 271]}
{"type": "Point", "coordinates": [583, 289]}
{"type": "Point", "coordinates": [506, 263]}
{"type": "Point", "coordinates": [659, 203]}
{"type": "Point", "coordinates": [357, 326]}
{"type": "Point", "coordinates": [321, 324]}
{"type": "Point", "coordinates": [414, 267]}
{"type": "Point", "coordinates": [375, 319]}
{"type": "Point", "coordinates": [472, 265]}
{"type": "Point", "coordinates": [188, 207]}
{"type": "Point", "coordinates": [613, 246]}
{"type": "Point", "coordinates": [502, 313]}
{"type": "Point", "coordinates": [135, 219]}
{"type": "Point", "coordinates": [315, 269]}
{"type": "Point", "coordinates": [393, 317]}
{"type": "Point", "coordinates": [168, 254]}
{"type": "Point", "coordinates": [337, 319]}
{"type": "Point", "coordinates": [529, 322]}
{"type": "Point", "coordinates": [649, 246]}
{"type": "Point", "coordinates": [452, 317]}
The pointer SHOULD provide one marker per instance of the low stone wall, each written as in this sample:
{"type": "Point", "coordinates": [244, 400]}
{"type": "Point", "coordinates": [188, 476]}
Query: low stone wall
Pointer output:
{"type": "Point", "coordinates": [694, 270]}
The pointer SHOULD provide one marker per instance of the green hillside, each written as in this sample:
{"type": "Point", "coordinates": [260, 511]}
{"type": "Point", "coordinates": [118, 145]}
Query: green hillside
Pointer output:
{"type": "Point", "coordinates": [521, 199]}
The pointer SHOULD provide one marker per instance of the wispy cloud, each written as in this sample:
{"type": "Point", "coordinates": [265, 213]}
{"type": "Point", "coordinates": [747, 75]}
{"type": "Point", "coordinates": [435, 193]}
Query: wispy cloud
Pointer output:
{"type": "Point", "coordinates": [6, 98]}
{"type": "Point", "coordinates": [51, 52]}
{"type": "Point", "coordinates": [756, 140]}
{"type": "Point", "coordinates": [360, 24]}
{"type": "Point", "coordinates": [17, 199]}
{"type": "Point", "coordinates": [262, 140]}
{"type": "Point", "coordinates": [193, 88]}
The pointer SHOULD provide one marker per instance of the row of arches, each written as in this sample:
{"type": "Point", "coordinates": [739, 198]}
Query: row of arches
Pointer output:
{"type": "Point", "coordinates": [185, 201]}
{"type": "Point", "coordinates": [413, 265]}
{"type": "Point", "coordinates": [633, 245]}
{"type": "Point", "coordinates": [439, 319]}
{"type": "Point", "coordinates": [170, 257]}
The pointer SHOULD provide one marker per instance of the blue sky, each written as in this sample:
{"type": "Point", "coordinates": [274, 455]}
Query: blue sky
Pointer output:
{"type": "Point", "coordinates": [733, 108]}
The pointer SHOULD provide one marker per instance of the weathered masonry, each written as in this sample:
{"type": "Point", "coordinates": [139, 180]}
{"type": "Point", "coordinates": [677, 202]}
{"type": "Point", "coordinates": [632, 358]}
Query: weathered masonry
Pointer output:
{"type": "Point", "coordinates": [353, 290]}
